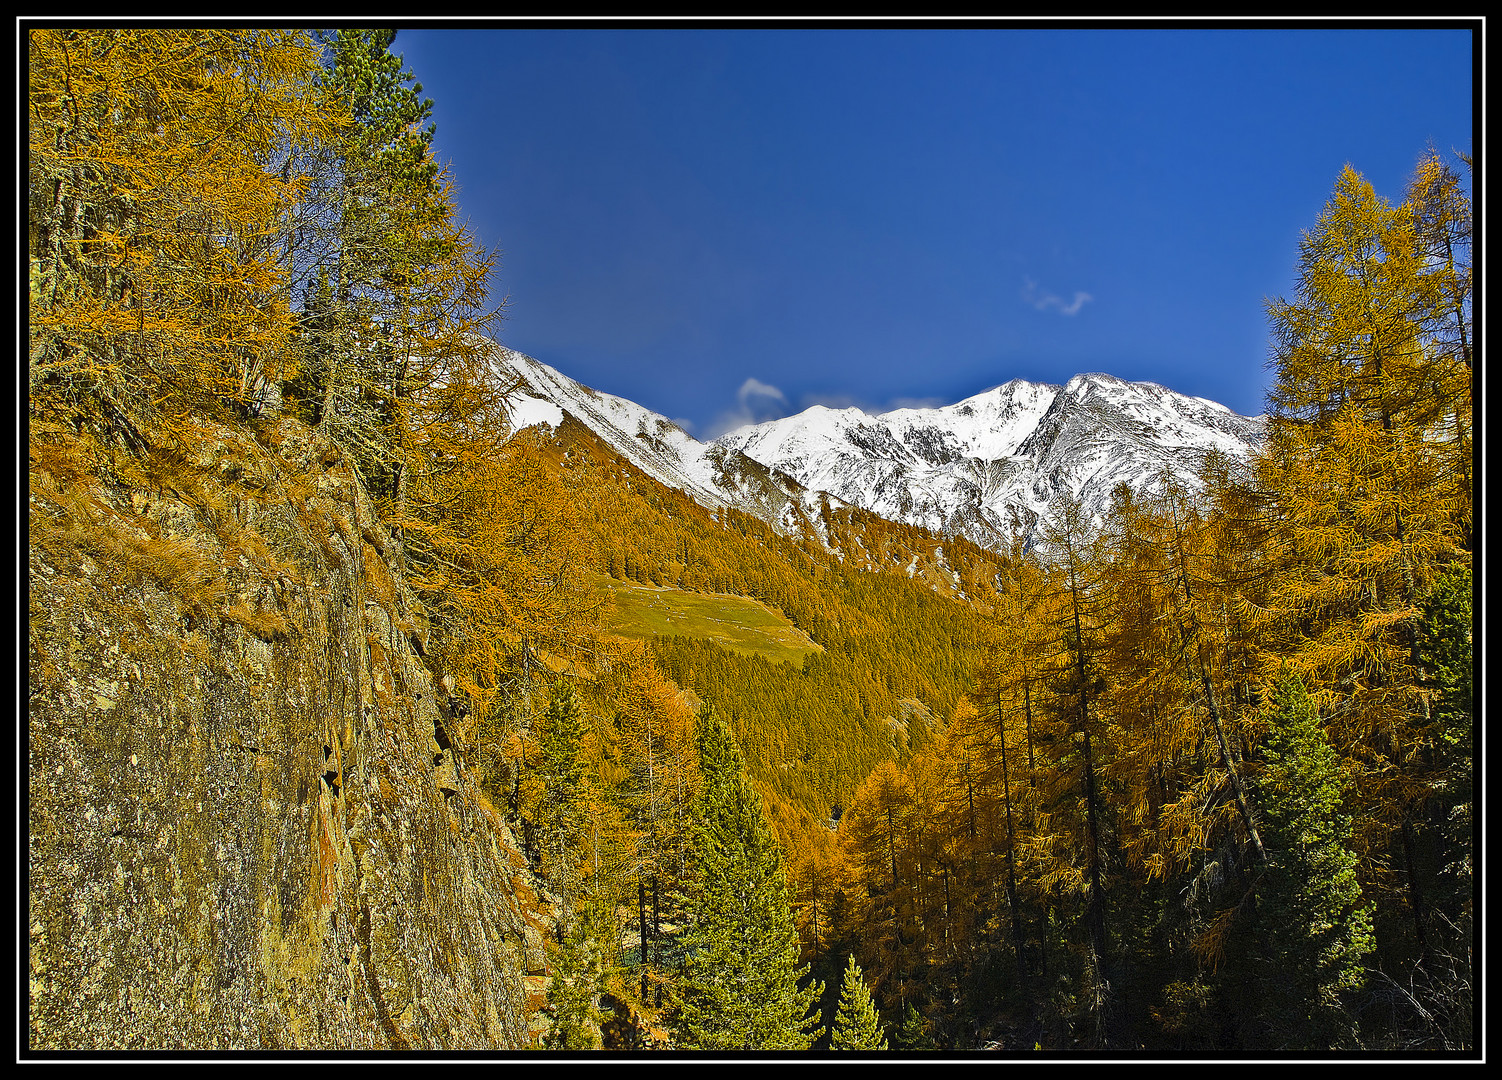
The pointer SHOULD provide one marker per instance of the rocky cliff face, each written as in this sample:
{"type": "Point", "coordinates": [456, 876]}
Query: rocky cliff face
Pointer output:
{"type": "Point", "coordinates": [251, 819]}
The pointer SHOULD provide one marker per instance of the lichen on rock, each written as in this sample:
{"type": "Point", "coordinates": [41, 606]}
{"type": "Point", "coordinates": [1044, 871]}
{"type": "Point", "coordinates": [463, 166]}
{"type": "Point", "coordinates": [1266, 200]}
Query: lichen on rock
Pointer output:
{"type": "Point", "coordinates": [242, 830]}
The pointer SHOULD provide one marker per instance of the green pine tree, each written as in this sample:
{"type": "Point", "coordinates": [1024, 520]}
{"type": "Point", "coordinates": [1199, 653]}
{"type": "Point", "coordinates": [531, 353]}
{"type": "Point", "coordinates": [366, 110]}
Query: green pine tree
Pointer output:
{"type": "Point", "coordinates": [383, 195]}
{"type": "Point", "coordinates": [1316, 927]}
{"type": "Point", "coordinates": [739, 989]}
{"type": "Point", "coordinates": [560, 770]}
{"type": "Point", "coordinates": [1445, 650]}
{"type": "Point", "coordinates": [856, 1024]}
{"type": "Point", "coordinates": [1444, 983]}
{"type": "Point", "coordinates": [1446, 653]}
{"type": "Point", "coordinates": [578, 968]}
{"type": "Point", "coordinates": [913, 1034]}
{"type": "Point", "coordinates": [394, 287]}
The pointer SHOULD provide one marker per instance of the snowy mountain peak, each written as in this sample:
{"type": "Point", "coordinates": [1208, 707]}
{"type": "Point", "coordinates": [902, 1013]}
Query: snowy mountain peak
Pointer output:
{"type": "Point", "coordinates": [715, 476]}
{"type": "Point", "coordinates": [987, 467]}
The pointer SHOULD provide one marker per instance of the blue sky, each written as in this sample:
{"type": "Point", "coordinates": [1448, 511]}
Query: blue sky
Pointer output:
{"type": "Point", "coordinates": [738, 223]}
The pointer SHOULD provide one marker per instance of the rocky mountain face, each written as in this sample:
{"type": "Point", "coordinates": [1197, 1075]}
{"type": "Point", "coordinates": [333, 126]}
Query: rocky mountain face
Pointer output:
{"type": "Point", "coordinates": [986, 468]}
{"type": "Point", "coordinates": [252, 820]}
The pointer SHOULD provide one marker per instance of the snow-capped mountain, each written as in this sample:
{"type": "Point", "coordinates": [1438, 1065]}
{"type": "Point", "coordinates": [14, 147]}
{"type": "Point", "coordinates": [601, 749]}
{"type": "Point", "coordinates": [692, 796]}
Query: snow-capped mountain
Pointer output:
{"type": "Point", "coordinates": [985, 468]}
{"type": "Point", "coordinates": [712, 475]}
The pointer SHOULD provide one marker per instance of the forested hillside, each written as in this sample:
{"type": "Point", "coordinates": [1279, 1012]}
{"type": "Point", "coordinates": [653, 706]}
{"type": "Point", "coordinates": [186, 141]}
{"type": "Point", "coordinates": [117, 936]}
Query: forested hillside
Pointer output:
{"type": "Point", "coordinates": [1213, 787]}
{"type": "Point", "coordinates": [1200, 779]}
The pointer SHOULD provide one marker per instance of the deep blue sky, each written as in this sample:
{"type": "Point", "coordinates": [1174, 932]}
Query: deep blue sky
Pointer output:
{"type": "Point", "coordinates": [885, 216]}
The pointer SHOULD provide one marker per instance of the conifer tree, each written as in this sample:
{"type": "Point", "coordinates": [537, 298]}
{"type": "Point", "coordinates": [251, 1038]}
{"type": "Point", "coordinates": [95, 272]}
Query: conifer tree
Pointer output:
{"type": "Point", "coordinates": [739, 988]}
{"type": "Point", "coordinates": [1369, 505]}
{"type": "Point", "coordinates": [814, 876]}
{"type": "Point", "coordinates": [913, 1034]}
{"type": "Point", "coordinates": [1177, 752]}
{"type": "Point", "coordinates": [1447, 658]}
{"type": "Point", "coordinates": [497, 564]}
{"type": "Point", "coordinates": [560, 778]}
{"type": "Point", "coordinates": [874, 836]}
{"type": "Point", "coordinates": [161, 182]}
{"type": "Point", "coordinates": [657, 752]}
{"type": "Point", "coordinates": [578, 971]}
{"type": "Point", "coordinates": [1315, 925]}
{"type": "Point", "coordinates": [1440, 207]}
{"type": "Point", "coordinates": [385, 195]}
{"type": "Point", "coordinates": [395, 316]}
{"type": "Point", "coordinates": [1079, 618]}
{"type": "Point", "coordinates": [1443, 978]}
{"type": "Point", "coordinates": [1442, 213]}
{"type": "Point", "coordinates": [994, 704]}
{"type": "Point", "coordinates": [856, 1024]}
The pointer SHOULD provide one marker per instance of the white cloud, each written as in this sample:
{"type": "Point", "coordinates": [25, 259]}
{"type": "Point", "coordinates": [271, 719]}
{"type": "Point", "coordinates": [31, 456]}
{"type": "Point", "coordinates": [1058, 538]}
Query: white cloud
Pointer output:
{"type": "Point", "coordinates": [1043, 300]}
{"type": "Point", "coordinates": [754, 390]}
{"type": "Point", "coordinates": [755, 401]}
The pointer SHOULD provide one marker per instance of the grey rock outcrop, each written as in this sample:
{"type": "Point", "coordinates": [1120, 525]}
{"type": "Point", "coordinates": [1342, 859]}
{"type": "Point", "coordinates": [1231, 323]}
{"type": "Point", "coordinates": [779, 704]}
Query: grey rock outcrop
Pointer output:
{"type": "Point", "coordinates": [252, 823]}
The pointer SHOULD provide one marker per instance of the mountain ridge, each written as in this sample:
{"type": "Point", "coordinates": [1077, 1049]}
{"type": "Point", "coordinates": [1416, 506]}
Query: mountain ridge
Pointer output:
{"type": "Point", "coordinates": [987, 468]}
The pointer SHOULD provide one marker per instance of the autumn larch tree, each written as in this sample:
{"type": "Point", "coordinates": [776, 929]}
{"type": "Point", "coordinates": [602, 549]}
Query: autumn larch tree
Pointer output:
{"type": "Point", "coordinates": [161, 182]}
{"type": "Point", "coordinates": [1361, 465]}
{"type": "Point", "coordinates": [1003, 703]}
{"type": "Point", "coordinates": [874, 839]}
{"type": "Point", "coordinates": [1177, 757]}
{"type": "Point", "coordinates": [1077, 751]}
{"type": "Point", "coordinates": [1440, 206]}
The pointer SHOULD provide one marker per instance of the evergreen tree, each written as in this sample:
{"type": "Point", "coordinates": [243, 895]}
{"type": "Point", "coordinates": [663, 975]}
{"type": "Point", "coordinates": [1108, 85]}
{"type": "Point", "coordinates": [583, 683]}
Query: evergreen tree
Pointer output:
{"type": "Point", "coordinates": [560, 774]}
{"type": "Point", "coordinates": [856, 1024]}
{"type": "Point", "coordinates": [1316, 928]}
{"type": "Point", "coordinates": [740, 981]}
{"type": "Point", "coordinates": [1447, 656]}
{"type": "Point", "coordinates": [1367, 468]}
{"type": "Point", "coordinates": [395, 314]}
{"type": "Point", "coordinates": [1447, 647]}
{"type": "Point", "coordinates": [578, 968]}
{"type": "Point", "coordinates": [913, 1034]}
{"type": "Point", "coordinates": [1442, 981]}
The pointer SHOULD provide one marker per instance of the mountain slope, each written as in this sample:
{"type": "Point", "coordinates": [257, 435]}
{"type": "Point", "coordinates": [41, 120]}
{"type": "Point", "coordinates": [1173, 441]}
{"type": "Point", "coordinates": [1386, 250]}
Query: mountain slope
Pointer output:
{"type": "Point", "coordinates": [714, 476]}
{"type": "Point", "coordinates": [985, 468]}
{"type": "Point", "coordinates": [253, 822]}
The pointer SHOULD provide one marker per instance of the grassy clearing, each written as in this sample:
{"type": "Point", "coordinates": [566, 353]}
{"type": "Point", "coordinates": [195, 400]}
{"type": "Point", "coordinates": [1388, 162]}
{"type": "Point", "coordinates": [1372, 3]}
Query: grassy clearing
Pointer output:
{"type": "Point", "coordinates": [735, 622]}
